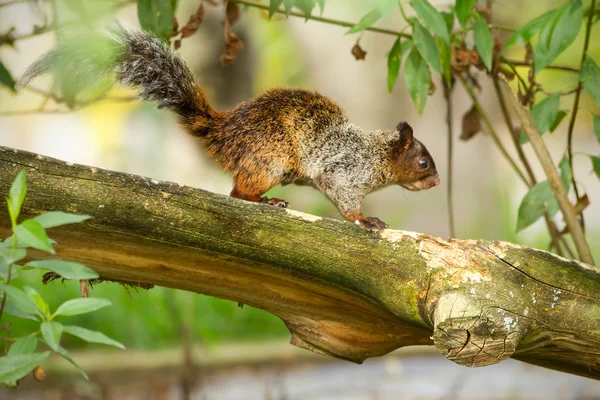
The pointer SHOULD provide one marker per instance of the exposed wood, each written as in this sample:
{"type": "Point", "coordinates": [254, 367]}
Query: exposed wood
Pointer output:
{"type": "Point", "coordinates": [341, 290]}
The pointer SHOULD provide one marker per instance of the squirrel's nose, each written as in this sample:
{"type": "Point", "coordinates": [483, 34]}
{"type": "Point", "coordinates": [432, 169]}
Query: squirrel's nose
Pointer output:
{"type": "Point", "coordinates": [435, 181]}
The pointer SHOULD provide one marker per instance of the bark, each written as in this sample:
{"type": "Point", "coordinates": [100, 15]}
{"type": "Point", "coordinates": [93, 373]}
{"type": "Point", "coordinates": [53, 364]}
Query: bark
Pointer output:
{"type": "Point", "coordinates": [342, 291]}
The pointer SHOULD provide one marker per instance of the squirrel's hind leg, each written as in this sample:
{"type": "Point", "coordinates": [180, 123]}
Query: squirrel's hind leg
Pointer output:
{"type": "Point", "coordinates": [251, 189]}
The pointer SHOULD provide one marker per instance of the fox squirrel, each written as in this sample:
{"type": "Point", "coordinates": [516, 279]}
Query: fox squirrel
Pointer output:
{"type": "Point", "coordinates": [282, 136]}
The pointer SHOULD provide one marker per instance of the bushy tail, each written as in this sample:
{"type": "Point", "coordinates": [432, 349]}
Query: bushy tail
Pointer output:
{"type": "Point", "coordinates": [138, 60]}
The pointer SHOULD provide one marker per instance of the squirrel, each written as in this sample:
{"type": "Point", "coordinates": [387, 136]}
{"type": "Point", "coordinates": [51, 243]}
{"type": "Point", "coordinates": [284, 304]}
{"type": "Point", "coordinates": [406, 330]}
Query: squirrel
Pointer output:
{"type": "Point", "coordinates": [281, 136]}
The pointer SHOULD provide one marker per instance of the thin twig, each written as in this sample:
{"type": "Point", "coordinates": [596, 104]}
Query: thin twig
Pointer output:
{"type": "Point", "coordinates": [567, 209]}
{"type": "Point", "coordinates": [491, 130]}
{"type": "Point", "coordinates": [78, 106]}
{"type": "Point", "coordinates": [552, 229]}
{"type": "Point", "coordinates": [330, 21]}
{"type": "Point", "coordinates": [448, 96]}
{"type": "Point", "coordinates": [576, 109]}
{"type": "Point", "coordinates": [514, 135]}
{"type": "Point", "coordinates": [520, 63]}
{"type": "Point", "coordinates": [8, 274]}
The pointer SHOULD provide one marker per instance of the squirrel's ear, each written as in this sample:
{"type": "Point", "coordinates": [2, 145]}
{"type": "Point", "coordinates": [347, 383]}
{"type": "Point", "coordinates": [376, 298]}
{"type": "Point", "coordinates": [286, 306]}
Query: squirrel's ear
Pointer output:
{"type": "Point", "coordinates": [406, 134]}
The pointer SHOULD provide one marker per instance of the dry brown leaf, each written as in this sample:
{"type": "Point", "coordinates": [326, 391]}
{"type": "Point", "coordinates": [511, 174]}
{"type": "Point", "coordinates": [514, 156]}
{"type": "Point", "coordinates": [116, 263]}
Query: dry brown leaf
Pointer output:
{"type": "Point", "coordinates": [232, 12]}
{"type": "Point", "coordinates": [358, 52]}
{"type": "Point", "coordinates": [582, 204]}
{"type": "Point", "coordinates": [471, 124]}
{"type": "Point", "coordinates": [193, 23]}
{"type": "Point", "coordinates": [461, 58]}
{"type": "Point", "coordinates": [39, 374]}
{"type": "Point", "coordinates": [233, 44]}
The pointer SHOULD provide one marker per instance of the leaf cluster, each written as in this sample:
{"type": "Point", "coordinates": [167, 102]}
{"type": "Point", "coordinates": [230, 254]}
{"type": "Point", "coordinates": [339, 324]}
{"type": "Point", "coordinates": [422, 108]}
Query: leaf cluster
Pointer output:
{"type": "Point", "coordinates": [23, 355]}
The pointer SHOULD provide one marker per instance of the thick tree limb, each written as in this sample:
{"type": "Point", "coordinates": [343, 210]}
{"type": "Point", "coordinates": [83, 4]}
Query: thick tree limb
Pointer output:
{"type": "Point", "coordinates": [341, 290]}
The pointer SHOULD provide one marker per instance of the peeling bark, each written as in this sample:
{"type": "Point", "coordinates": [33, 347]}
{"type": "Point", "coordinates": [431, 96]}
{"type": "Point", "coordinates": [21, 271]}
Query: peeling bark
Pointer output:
{"type": "Point", "coordinates": [342, 291]}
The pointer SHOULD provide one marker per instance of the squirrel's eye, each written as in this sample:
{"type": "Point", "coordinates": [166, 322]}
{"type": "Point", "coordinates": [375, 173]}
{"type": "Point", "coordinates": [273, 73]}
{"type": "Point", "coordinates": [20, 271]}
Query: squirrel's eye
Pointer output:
{"type": "Point", "coordinates": [423, 164]}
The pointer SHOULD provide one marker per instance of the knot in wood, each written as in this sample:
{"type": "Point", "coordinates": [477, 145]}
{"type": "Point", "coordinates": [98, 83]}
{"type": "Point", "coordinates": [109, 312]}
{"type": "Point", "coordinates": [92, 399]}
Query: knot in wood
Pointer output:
{"type": "Point", "coordinates": [473, 333]}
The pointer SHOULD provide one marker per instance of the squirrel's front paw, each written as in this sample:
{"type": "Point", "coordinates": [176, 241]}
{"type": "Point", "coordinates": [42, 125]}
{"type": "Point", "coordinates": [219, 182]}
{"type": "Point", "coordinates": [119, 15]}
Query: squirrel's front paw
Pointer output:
{"type": "Point", "coordinates": [372, 223]}
{"type": "Point", "coordinates": [275, 202]}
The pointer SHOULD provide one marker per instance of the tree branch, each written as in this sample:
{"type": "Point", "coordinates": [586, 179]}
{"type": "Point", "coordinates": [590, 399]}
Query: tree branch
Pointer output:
{"type": "Point", "coordinates": [344, 292]}
{"type": "Point", "coordinates": [567, 209]}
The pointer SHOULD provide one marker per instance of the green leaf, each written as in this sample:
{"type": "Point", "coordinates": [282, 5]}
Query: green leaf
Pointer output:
{"type": "Point", "coordinates": [394, 61]}
{"type": "Point", "coordinates": [273, 6]}
{"type": "Point", "coordinates": [14, 367]}
{"type": "Point", "coordinates": [484, 42]}
{"type": "Point", "coordinates": [463, 10]}
{"type": "Point", "coordinates": [81, 306]}
{"type": "Point", "coordinates": [6, 79]}
{"type": "Point", "coordinates": [25, 345]}
{"type": "Point", "coordinates": [417, 78]}
{"type": "Point", "coordinates": [590, 78]}
{"type": "Point", "coordinates": [66, 269]}
{"type": "Point", "coordinates": [449, 20]}
{"type": "Point", "coordinates": [366, 21]}
{"type": "Point", "coordinates": [19, 299]}
{"type": "Point", "coordinates": [544, 113]}
{"type": "Point", "coordinates": [321, 4]}
{"type": "Point", "coordinates": [37, 299]}
{"type": "Point", "coordinates": [597, 127]}
{"type": "Point", "coordinates": [16, 195]}
{"type": "Point", "coordinates": [32, 233]}
{"type": "Point", "coordinates": [425, 43]}
{"type": "Point", "coordinates": [51, 333]}
{"type": "Point", "coordinates": [306, 6]}
{"type": "Point", "coordinates": [596, 165]}
{"type": "Point", "coordinates": [57, 218]}
{"type": "Point", "coordinates": [560, 115]}
{"type": "Point", "coordinates": [386, 7]}
{"type": "Point", "coordinates": [65, 354]}
{"type": "Point", "coordinates": [432, 19]}
{"type": "Point", "coordinates": [538, 200]}
{"type": "Point", "coordinates": [445, 55]}
{"type": "Point", "coordinates": [10, 256]}
{"type": "Point", "coordinates": [91, 336]}
{"type": "Point", "coordinates": [525, 33]}
{"type": "Point", "coordinates": [399, 49]}
{"type": "Point", "coordinates": [565, 172]}
{"type": "Point", "coordinates": [10, 308]}
{"type": "Point", "coordinates": [557, 34]}
{"type": "Point", "coordinates": [156, 16]}
{"type": "Point", "coordinates": [288, 4]}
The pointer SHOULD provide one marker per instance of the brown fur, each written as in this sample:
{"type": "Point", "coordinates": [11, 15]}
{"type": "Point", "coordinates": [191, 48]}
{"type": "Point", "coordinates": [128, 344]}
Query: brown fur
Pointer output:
{"type": "Point", "coordinates": [282, 136]}
{"type": "Point", "coordinates": [269, 139]}
{"type": "Point", "coordinates": [263, 134]}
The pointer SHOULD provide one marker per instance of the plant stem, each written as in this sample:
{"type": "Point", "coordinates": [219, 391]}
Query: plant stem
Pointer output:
{"type": "Point", "coordinates": [491, 130]}
{"type": "Point", "coordinates": [513, 135]}
{"type": "Point", "coordinates": [554, 179]}
{"type": "Point", "coordinates": [576, 109]}
{"type": "Point", "coordinates": [555, 236]}
{"type": "Point", "coordinates": [519, 63]}
{"type": "Point", "coordinates": [448, 96]}
{"type": "Point", "coordinates": [330, 21]}
{"type": "Point", "coordinates": [8, 276]}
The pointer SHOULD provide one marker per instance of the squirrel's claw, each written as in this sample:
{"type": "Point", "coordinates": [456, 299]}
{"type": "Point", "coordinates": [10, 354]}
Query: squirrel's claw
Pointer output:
{"type": "Point", "coordinates": [373, 224]}
{"type": "Point", "coordinates": [275, 202]}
